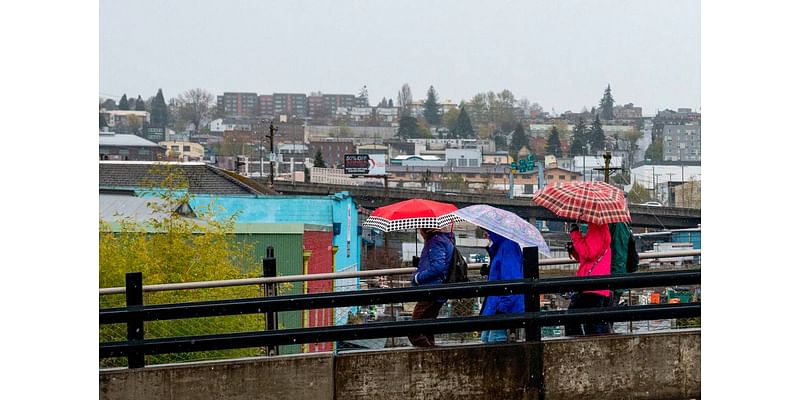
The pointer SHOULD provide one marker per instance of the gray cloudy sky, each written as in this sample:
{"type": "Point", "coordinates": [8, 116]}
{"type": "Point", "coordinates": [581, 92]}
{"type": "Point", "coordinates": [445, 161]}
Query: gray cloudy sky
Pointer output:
{"type": "Point", "coordinates": [559, 53]}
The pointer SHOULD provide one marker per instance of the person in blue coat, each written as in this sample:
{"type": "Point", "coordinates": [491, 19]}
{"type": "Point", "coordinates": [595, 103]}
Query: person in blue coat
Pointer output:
{"type": "Point", "coordinates": [505, 262]}
{"type": "Point", "coordinates": [432, 268]}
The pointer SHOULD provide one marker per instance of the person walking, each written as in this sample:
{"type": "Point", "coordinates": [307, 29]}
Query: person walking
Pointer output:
{"type": "Point", "coordinates": [505, 262]}
{"type": "Point", "coordinates": [620, 235]}
{"type": "Point", "coordinates": [593, 253]}
{"type": "Point", "coordinates": [434, 261]}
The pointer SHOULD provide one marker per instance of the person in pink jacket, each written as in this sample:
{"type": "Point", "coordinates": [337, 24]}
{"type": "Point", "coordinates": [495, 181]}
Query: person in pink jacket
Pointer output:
{"type": "Point", "coordinates": [593, 253]}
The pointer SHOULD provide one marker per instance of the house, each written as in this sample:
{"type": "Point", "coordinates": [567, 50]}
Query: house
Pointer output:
{"type": "Point", "coordinates": [126, 147]}
{"type": "Point", "coordinates": [554, 175]}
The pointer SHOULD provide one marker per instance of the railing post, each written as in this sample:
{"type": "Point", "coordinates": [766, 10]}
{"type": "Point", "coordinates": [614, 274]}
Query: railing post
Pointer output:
{"type": "Point", "coordinates": [134, 298]}
{"type": "Point", "coordinates": [270, 268]}
{"type": "Point", "coordinates": [530, 265]}
{"type": "Point", "coordinates": [533, 332]}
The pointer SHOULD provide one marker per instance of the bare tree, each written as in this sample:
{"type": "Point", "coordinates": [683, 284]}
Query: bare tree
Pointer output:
{"type": "Point", "coordinates": [194, 107]}
{"type": "Point", "coordinates": [404, 99]}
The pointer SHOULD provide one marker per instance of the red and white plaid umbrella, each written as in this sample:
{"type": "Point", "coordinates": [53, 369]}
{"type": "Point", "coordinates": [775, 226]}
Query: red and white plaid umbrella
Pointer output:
{"type": "Point", "coordinates": [412, 214]}
{"type": "Point", "coordinates": [595, 202]}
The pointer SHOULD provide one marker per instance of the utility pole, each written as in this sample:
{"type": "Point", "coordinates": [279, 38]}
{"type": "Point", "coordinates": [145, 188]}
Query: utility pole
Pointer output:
{"type": "Point", "coordinates": [607, 170]}
{"type": "Point", "coordinates": [272, 130]}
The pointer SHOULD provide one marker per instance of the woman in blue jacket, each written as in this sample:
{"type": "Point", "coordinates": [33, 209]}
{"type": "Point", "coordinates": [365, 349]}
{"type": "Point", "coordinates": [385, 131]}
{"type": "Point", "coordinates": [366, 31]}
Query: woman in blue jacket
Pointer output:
{"type": "Point", "coordinates": [434, 261]}
{"type": "Point", "coordinates": [505, 262]}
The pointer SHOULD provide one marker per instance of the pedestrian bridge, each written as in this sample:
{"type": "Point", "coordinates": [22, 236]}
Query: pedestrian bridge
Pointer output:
{"type": "Point", "coordinates": [663, 365]}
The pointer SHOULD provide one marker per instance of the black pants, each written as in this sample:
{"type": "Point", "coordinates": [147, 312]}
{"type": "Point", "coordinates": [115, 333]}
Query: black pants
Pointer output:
{"type": "Point", "coordinates": [587, 300]}
{"type": "Point", "coordinates": [425, 310]}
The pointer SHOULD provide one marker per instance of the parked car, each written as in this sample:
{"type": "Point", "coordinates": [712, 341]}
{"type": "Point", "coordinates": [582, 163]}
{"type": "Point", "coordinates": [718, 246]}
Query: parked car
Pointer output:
{"type": "Point", "coordinates": [651, 204]}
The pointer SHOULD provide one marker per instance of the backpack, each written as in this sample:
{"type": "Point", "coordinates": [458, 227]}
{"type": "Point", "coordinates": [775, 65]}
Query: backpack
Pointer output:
{"type": "Point", "coordinates": [457, 272]}
{"type": "Point", "coordinates": [632, 262]}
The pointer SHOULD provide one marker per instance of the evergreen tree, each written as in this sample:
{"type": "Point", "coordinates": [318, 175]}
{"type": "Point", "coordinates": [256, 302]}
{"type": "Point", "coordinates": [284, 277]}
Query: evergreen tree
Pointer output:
{"type": "Point", "coordinates": [578, 138]}
{"type": "Point", "coordinates": [655, 151]}
{"type": "Point", "coordinates": [103, 122]}
{"type": "Point", "coordinates": [139, 104]}
{"type": "Point", "coordinates": [391, 103]}
{"type": "Point", "coordinates": [553, 143]}
{"type": "Point", "coordinates": [518, 139]}
{"type": "Point", "coordinates": [159, 113]}
{"type": "Point", "coordinates": [319, 162]}
{"type": "Point", "coordinates": [463, 126]}
{"type": "Point", "coordinates": [431, 108]}
{"type": "Point", "coordinates": [408, 128]}
{"type": "Point", "coordinates": [109, 104]}
{"type": "Point", "coordinates": [596, 136]}
{"type": "Point", "coordinates": [500, 142]}
{"type": "Point", "coordinates": [123, 103]}
{"type": "Point", "coordinates": [607, 105]}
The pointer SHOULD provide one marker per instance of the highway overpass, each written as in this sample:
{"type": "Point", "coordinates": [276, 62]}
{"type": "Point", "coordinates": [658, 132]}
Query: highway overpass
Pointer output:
{"type": "Point", "coordinates": [374, 197]}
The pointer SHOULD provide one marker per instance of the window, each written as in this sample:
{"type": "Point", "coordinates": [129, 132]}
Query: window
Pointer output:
{"type": "Point", "coordinates": [175, 148]}
{"type": "Point", "coordinates": [144, 152]}
{"type": "Point", "coordinates": [549, 176]}
{"type": "Point", "coordinates": [572, 177]}
{"type": "Point", "coordinates": [562, 177]}
{"type": "Point", "coordinates": [187, 148]}
{"type": "Point", "coordinates": [123, 152]}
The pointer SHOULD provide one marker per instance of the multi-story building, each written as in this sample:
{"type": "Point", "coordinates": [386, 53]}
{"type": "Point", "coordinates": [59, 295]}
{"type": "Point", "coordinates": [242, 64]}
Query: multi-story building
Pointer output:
{"type": "Point", "coordinates": [183, 151]}
{"type": "Point", "coordinates": [115, 118]}
{"type": "Point", "coordinates": [289, 133]}
{"type": "Point", "coordinates": [265, 105]}
{"type": "Point", "coordinates": [463, 157]}
{"type": "Point", "coordinates": [240, 104]}
{"type": "Point", "coordinates": [292, 105]}
{"type": "Point", "coordinates": [316, 110]}
{"type": "Point", "coordinates": [331, 102]}
{"type": "Point", "coordinates": [681, 142]}
{"type": "Point", "coordinates": [332, 151]}
{"type": "Point", "coordinates": [628, 111]}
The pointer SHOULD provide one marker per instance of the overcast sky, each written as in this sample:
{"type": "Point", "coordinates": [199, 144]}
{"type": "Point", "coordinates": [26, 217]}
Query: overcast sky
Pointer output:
{"type": "Point", "coordinates": [559, 53]}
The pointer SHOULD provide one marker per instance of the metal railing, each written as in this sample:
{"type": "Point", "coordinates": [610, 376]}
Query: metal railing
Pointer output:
{"type": "Point", "coordinates": [355, 274]}
{"type": "Point", "coordinates": [134, 314]}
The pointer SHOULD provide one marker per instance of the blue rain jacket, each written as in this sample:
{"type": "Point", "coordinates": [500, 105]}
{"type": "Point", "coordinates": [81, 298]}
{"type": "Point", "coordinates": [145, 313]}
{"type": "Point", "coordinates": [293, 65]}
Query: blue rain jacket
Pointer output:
{"type": "Point", "coordinates": [434, 261]}
{"type": "Point", "coordinates": [505, 263]}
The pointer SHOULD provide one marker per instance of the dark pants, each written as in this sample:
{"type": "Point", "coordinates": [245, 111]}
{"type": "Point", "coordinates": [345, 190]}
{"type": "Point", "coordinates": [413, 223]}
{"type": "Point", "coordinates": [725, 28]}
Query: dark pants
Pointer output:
{"type": "Point", "coordinates": [425, 310]}
{"type": "Point", "coordinates": [587, 300]}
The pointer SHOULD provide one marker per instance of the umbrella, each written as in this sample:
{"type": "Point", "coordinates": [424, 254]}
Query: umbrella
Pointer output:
{"type": "Point", "coordinates": [504, 223]}
{"type": "Point", "coordinates": [595, 202]}
{"type": "Point", "coordinates": [412, 214]}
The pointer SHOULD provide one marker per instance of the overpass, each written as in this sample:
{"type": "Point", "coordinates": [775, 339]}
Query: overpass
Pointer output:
{"type": "Point", "coordinates": [374, 197]}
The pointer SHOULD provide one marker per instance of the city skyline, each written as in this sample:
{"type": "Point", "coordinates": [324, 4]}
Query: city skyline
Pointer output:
{"type": "Point", "coordinates": [561, 55]}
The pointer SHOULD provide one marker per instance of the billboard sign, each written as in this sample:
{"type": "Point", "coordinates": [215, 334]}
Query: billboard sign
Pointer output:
{"type": "Point", "coordinates": [365, 164]}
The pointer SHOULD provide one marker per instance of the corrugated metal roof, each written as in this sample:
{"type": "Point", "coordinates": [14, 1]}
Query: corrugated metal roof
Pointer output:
{"type": "Point", "coordinates": [117, 139]}
{"type": "Point", "coordinates": [114, 207]}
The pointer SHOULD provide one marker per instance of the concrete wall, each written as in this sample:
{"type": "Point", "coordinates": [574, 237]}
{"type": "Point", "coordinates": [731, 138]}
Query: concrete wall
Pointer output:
{"type": "Point", "coordinates": [648, 366]}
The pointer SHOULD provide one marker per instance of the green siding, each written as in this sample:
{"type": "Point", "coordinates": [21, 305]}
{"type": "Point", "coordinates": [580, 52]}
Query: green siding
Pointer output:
{"type": "Point", "coordinates": [289, 256]}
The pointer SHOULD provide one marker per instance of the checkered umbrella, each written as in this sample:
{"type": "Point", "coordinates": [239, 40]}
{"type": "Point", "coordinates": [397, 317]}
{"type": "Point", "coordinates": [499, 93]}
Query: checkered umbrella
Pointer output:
{"type": "Point", "coordinates": [595, 202]}
{"type": "Point", "coordinates": [412, 214]}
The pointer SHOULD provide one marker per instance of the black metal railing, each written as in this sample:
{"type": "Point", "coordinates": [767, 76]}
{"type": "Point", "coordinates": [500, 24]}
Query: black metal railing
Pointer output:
{"type": "Point", "coordinates": [135, 314]}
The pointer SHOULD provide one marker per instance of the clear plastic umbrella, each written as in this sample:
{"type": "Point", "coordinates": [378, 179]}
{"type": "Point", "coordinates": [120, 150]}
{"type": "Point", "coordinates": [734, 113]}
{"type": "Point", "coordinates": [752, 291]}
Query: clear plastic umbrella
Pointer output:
{"type": "Point", "coordinates": [504, 223]}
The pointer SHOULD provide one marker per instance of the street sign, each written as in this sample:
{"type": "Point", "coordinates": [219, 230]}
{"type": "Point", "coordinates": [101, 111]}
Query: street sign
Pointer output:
{"type": "Point", "coordinates": [524, 164]}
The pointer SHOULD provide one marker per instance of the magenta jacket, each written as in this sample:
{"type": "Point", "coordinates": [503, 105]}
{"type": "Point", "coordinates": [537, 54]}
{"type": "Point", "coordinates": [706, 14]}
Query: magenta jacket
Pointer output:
{"type": "Point", "coordinates": [596, 244]}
